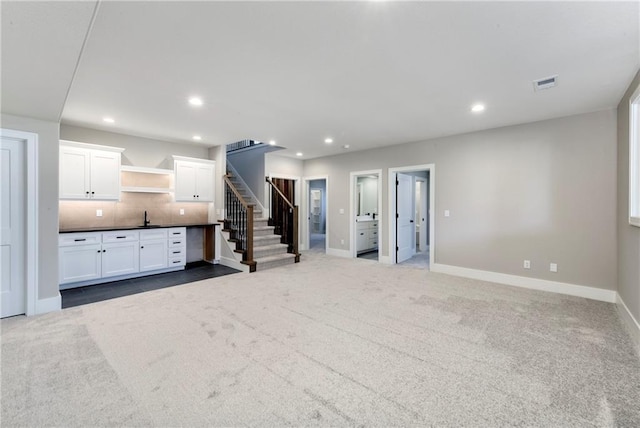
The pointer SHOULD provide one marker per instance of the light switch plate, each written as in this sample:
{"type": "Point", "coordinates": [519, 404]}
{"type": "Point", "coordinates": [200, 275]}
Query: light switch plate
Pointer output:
{"type": "Point", "coordinates": [98, 213]}
{"type": "Point", "coordinates": [341, 211]}
{"type": "Point", "coordinates": [447, 213]}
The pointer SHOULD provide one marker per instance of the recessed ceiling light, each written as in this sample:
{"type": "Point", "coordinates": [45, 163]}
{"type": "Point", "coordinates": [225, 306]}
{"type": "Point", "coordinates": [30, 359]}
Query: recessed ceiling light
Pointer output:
{"type": "Point", "coordinates": [197, 137]}
{"type": "Point", "coordinates": [328, 140]}
{"type": "Point", "coordinates": [346, 146]}
{"type": "Point", "coordinates": [195, 101]}
{"type": "Point", "coordinates": [477, 108]}
{"type": "Point", "coordinates": [299, 154]}
{"type": "Point", "coordinates": [272, 142]}
{"type": "Point", "coordinates": [109, 119]}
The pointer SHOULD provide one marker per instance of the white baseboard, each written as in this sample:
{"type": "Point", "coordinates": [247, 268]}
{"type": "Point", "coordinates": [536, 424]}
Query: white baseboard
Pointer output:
{"type": "Point", "coordinates": [387, 260]}
{"type": "Point", "coordinates": [532, 283]}
{"type": "Point", "coordinates": [633, 326]}
{"type": "Point", "coordinates": [51, 304]}
{"type": "Point", "coordinates": [339, 253]}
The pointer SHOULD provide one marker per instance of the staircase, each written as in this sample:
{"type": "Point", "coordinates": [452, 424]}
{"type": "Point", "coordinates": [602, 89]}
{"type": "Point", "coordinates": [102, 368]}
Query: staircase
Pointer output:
{"type": "Point", "coordinates": [268, 251]}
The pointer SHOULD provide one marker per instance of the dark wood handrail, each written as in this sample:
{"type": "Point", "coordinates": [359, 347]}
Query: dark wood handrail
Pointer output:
{"type": "Point", "coordinates": [233, 188]}
{"type": "Point", "coordinates": [284, 198]}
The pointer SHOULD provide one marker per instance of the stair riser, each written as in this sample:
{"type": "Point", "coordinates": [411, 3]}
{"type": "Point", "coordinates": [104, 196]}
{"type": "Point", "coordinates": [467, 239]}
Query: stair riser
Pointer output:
{"type": "Point", "coordinates": [262, 232]}
{"type": "Point", "coordinates": [258, 253]}
{"type": "Point", "coordinates": [275, 263]}
{"type": "Point", "coordinates": [266, 240]}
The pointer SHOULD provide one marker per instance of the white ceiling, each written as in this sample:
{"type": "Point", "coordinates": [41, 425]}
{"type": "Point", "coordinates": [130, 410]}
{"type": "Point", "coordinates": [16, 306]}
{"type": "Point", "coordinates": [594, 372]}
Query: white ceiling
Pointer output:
{"type": "Point", "coordinates": [367, 74]}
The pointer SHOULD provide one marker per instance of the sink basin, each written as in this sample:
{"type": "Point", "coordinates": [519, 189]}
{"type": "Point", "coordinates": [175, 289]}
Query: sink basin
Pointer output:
{"type": "Point", "coordinates": [150, 226]}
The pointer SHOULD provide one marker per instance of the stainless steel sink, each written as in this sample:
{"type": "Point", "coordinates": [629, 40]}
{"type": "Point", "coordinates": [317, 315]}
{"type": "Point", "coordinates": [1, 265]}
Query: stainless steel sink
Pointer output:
{"type": "Point", "coordinates": [150, 226]}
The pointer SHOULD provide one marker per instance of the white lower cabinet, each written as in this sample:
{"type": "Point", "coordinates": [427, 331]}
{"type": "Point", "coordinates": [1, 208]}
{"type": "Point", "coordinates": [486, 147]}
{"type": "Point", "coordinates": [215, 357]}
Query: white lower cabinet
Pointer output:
{"type": "Point", "coordinates": [119, 258]}
{"type": "Point", "coordinates": [87, 258]}
{"type": "Point", "coordinates": [367, 235]}
{"type": "Point", "coordinates": [153, 249]}
{"type": "Point", "coordinates": [80, 263]}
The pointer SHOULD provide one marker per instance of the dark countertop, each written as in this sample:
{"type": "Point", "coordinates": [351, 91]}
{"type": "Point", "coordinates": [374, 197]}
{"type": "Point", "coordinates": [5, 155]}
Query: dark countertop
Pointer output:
{"type": "Point", "coordinates": [153, 226]}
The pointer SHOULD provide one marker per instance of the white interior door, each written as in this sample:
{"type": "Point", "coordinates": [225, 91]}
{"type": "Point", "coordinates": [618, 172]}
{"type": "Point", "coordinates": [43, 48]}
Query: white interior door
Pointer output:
{"type": "Point", "coordinates": [404, 218]}
{"type": "Point", "coordinates": [12, 233]}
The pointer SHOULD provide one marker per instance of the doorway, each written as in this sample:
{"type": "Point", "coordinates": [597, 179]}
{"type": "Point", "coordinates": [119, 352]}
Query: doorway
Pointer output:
{"type": "Point", "coordinates": [366, 203]}
{"type": "Point", "coordinates": [317, 215]}
{"type": "Point", "coordinates": [411, 198]}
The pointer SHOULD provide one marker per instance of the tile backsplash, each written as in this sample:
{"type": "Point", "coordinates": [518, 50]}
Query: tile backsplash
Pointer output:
{"type": "Point", "coordinates": [129, 211]}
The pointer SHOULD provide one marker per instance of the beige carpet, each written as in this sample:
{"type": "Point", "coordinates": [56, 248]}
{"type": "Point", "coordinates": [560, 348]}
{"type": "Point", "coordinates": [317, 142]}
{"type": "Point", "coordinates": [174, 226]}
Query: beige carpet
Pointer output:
{"type": "Point", "coordinates": [326, 342]}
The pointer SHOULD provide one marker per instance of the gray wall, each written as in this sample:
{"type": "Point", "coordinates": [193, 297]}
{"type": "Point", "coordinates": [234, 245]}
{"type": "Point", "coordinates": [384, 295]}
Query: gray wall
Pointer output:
{"type": "Point", "coordinates": [250, 166]}
{"type": "Point", "coordinates": [628, 236]}
{"type": "Point", "coordinates": [543, 191]}
{"type": "Point", "coordinates": [139, 151]}
{"type": "Point", "coordinates": [47, 198]}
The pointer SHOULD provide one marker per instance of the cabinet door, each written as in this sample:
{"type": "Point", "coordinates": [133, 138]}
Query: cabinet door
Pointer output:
{"type": "Point", "coordinates": [105, 175]}
{"type": "Point", "coordinates": [153, 254]}
{"type": "Point", "coordinates": [204, 183]}
{"type": "Point", "coordinates": [119, 258]}
{"type": "Point", "coordinates": [74, 173]}
{"type": "Point", "coordinates": [362, 240]}
{"type": "Point", "coordinates": [185, 181]}
{"type": "Point", "coordinates": [80, 263]}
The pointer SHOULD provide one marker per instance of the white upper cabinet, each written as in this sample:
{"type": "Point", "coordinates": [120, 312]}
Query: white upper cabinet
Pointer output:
{"type": "Point", "coordinates": [89, 171]}
{"type": "Point", "coordinates": [194, 179]}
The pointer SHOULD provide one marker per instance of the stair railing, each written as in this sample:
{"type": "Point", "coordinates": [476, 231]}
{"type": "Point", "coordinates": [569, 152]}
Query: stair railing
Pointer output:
{"type": "Point", "coordinates": [239, 221]}
{"type": "Point", "coordinates": [284, 216]}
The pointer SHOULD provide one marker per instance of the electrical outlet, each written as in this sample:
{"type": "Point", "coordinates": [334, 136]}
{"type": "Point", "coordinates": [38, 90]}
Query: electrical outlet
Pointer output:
{"type": "Point", "coordinates": [181, 211]}
{"type": "Point", "coordinates": [98, 213]}
{"type": "Point", "coordinates": [553, 267]}
{"type": "Point", "coordinates": [342, 242]}
{"type": "Point", "coordinates": [447, 213]}
{"type": "Point", "coordinates": [527, 264]}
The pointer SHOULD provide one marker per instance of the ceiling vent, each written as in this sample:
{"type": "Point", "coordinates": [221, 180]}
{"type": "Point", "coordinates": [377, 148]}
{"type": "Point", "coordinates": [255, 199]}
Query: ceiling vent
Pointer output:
{"type": "Point", "coordinates": [546, 83]}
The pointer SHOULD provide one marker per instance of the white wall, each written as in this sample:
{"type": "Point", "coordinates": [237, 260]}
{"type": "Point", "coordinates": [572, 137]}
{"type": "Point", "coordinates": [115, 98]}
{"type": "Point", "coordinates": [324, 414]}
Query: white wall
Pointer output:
{"type": "Point", "coordinates": [47, 199]}
{"type": "Point", "coordinates": [543, 191]}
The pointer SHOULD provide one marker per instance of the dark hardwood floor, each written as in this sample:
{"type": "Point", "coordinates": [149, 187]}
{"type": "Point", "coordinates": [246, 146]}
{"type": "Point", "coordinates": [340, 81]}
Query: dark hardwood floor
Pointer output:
{"type": "Point", "coordinates": [95, 293]}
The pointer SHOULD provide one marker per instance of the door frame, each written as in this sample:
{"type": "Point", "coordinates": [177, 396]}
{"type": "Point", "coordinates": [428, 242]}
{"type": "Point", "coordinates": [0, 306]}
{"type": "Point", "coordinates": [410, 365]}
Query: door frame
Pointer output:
{"type": "Point", "coordinates": [304, 212]}
{"type": "Point", "coordinates": [31, 229]}
{"type": "Point", "coordinates": [353, 179]}
{"type": "Point", "coordinates": [297, 195]}
{"type": "Point", "coordinates": [392, 208]}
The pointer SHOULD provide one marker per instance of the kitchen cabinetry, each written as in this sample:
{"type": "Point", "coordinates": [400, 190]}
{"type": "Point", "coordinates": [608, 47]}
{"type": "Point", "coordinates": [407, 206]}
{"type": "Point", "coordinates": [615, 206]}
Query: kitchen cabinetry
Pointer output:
{"type": "Point", "coordinates": [95, 257]}
{"type": "Point", "coordinates": [366, 235]}
{"type": "Point", "coordinates": [194, 179]}
{"type": "Point", "coordinates": [153, 249]}
{"type": "Point", "coordinates": [88, 171]}
{"type": "Point", "coordinates": [80, 257]}
{"type": "Point", "coordinates": [119, 253]}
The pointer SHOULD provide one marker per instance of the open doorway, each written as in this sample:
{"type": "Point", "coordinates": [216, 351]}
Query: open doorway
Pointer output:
{"type": "Point", "coordinates": [317, 218]}
{"type": "Point", "coordinates": [411, 196]}
{"type": "Point", "coordinates": [366, 200]}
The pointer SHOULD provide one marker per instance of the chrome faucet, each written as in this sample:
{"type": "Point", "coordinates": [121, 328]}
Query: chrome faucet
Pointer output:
{"type": "Point", "coordinates": [146, 222]}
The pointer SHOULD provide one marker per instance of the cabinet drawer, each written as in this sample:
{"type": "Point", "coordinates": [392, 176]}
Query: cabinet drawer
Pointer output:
{"type": "Point", "coordinates": [176, 242]}
{"type": "Point", "coordinates": [177, 261]}
{"type": "Point", "coordinates": [120, 236]}
{"type": "Point", "coordinates": [68, 239]}
{"type": "Point", "coordinates": [177, 252]}
{"type": "Point", "coordinates": [153, 234]}
{"type": "Point", "coordinates": [177, 232]}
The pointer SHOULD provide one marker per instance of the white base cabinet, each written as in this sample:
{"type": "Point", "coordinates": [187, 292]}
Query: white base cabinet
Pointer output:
{"type": "Point", "coordinates": [366, 235]}
{"type": "Point", "coordinates": [80, 263]}
{"type": "Point", "coordinates": [95, 257]}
